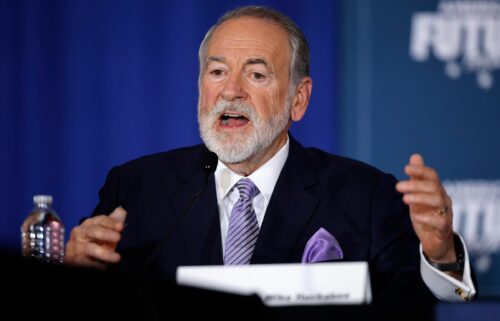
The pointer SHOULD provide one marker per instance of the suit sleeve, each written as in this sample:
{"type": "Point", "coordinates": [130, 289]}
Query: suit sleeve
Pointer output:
{"type": "Point", "coordinates": [395, 259]}
{"type": "Point", "coordinates": [109, 193]}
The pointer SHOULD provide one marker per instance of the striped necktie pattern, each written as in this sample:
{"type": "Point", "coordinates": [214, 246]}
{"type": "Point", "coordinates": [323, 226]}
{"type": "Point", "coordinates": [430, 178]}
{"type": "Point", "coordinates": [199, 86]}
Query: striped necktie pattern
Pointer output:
{"type": "Point", "coordinates": [243, 226]}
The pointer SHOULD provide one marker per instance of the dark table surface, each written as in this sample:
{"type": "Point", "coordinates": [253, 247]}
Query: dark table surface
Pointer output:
{"type": "Point", "coordinates": [32, 289]}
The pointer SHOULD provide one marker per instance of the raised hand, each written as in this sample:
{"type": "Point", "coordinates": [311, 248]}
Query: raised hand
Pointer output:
{"type": "Point", "coordinates": [430, 210]}
{"type": "Point", "coordinates": [93, 243]}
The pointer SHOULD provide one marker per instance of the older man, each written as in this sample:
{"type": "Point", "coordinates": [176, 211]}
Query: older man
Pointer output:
{"type": "Point", "coordinates": [269, 195]}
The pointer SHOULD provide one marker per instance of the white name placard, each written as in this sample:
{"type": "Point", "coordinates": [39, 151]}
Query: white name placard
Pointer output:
{"type": "Point", "coordinates": [286, 284]}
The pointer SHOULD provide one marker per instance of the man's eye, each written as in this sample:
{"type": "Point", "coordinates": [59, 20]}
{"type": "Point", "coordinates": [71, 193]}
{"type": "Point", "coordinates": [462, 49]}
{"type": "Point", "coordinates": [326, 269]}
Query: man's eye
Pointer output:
{"type": "Point", "coordinates": [216, 72]}
{"type": "Point", "coordinates": [258, 76]}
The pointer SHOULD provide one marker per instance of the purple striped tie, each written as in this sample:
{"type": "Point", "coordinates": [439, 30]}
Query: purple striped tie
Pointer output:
{"type": "Point", "coordinates": [243, 226]}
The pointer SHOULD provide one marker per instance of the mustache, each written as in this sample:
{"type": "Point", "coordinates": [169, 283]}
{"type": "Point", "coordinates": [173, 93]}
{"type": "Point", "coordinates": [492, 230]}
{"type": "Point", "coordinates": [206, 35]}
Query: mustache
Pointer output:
{"type": "Point", "coordinates": [239, 107]}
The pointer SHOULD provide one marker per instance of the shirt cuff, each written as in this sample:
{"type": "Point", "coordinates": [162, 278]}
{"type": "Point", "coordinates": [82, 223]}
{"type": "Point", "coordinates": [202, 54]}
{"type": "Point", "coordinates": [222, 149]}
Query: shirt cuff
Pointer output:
{"type": "Point", "coordinates": [445, 287]}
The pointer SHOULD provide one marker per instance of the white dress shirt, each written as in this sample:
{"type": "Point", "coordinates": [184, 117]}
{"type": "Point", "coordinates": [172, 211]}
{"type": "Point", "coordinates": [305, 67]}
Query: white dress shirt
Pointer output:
{"type": "Point", "coordinates": [265, 177]}
{"type": "Point", "coordinates": [444, 286]}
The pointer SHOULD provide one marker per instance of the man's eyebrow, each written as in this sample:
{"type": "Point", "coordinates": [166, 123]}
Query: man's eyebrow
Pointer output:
{"type": "Point", "coordinates": [250, 61]}
{"type": "Point", "coordinates": [216, 59]}
{"type": "Point", "coordinates": [256, 61]}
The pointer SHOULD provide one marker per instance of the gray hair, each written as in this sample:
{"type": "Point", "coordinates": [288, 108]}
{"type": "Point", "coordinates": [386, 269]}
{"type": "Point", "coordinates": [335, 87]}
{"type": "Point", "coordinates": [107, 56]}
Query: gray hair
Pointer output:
{"type": "Point", "coordinates": [299, 65]}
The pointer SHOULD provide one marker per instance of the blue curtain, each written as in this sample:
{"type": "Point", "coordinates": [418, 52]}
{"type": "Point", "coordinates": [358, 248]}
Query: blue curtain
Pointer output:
{"type": "Point", "coordinates": [88, 84]}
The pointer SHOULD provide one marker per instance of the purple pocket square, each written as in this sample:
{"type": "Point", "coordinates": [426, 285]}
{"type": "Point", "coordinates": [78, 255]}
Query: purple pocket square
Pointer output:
{"type": "Point", "coordinates": [322, 246]}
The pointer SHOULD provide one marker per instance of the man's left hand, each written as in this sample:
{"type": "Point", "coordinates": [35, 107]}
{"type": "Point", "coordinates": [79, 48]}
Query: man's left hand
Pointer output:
{"type": "Point", "coordinates": [430, 210]}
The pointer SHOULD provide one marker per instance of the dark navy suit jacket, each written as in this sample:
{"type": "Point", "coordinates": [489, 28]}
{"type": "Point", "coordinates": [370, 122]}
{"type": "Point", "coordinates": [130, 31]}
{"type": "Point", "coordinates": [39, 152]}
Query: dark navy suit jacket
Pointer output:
{"type": "Point", "coordinates": [355, 202]}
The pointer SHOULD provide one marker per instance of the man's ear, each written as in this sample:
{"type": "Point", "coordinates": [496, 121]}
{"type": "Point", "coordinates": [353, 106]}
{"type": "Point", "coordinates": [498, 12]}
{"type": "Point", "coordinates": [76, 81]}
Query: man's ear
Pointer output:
{"type": "Point", "coordinates": [301, 99]}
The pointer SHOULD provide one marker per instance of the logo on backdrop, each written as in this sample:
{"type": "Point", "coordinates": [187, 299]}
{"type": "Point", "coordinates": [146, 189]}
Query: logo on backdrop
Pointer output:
{"type": "Point", "coordinates": [476, 210]}
{"type": "Point", "coordinates": [464, 34]}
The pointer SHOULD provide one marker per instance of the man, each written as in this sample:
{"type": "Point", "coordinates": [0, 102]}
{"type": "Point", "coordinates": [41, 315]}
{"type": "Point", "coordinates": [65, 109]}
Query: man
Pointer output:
{"type": "Point", "coordinates": [269, 196]}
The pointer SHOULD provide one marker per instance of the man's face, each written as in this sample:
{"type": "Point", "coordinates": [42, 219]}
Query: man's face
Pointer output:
{"type": "Point", "coordinates": [243, 106]}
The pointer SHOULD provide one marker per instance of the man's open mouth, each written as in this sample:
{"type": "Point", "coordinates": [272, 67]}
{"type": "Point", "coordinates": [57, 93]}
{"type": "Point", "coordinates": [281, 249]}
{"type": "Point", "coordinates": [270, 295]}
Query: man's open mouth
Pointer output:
{"type": "Point", "coordinates": [231, 119]}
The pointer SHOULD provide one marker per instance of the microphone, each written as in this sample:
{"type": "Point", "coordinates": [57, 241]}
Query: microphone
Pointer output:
{"type": "Point", "coordinates": [209, 163]}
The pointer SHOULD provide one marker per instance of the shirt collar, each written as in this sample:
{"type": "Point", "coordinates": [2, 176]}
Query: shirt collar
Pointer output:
{"type": "Point", "coordinates": [265, 177]}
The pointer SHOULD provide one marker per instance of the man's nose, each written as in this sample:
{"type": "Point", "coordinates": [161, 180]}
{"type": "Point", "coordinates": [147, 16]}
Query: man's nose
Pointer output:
{"type": "Point", "coordinates": [233, 88]}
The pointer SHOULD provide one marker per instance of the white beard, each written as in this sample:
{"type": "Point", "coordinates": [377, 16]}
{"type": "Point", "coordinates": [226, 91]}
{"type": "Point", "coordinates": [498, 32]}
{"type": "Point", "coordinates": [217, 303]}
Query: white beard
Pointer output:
{"type": "Point", "coordinates": [238, 147]}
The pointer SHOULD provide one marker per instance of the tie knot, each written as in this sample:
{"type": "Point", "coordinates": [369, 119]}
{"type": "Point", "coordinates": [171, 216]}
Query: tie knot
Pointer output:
{"type": "Point", "coordinates": [247, 188]}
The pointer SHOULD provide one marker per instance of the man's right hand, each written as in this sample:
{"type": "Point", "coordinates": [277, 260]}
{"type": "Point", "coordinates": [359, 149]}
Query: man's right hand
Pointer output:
{"type": "Point", "coordinates": [93, 243]}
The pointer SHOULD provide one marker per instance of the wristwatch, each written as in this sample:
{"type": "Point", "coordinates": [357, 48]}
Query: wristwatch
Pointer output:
{"type": "Point", "coordinates": [453, 266]}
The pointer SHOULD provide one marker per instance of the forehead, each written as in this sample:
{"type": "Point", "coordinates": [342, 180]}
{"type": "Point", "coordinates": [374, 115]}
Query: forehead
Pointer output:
{"type": "Point", "coordinates": [251, 36]}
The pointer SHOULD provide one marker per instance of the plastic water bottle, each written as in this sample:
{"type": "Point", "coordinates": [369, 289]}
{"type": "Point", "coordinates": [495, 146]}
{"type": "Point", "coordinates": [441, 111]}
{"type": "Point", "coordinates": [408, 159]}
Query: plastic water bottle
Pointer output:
{"type": "Point", "coordinates": [42, 232]}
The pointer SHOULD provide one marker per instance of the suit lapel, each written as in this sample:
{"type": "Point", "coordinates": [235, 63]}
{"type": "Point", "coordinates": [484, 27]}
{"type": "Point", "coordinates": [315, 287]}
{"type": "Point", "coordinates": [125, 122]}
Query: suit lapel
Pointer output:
{"type": "Point", "coordinates": [290, 209]}
{"type": "Point", "coordinates": [200, 230]}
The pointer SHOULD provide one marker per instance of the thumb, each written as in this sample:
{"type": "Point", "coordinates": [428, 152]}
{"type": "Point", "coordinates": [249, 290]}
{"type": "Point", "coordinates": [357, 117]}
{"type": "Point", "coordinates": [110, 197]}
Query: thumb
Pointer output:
{"type": "Point", "coordinates": [416, 159]}
{"type": "Point", "coordinates": [119, 214]}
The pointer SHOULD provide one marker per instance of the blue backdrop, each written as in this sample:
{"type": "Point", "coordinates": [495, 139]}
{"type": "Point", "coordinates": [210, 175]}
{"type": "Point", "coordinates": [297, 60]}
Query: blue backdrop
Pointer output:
{"type": "Point", "coordinates": [85, 85]}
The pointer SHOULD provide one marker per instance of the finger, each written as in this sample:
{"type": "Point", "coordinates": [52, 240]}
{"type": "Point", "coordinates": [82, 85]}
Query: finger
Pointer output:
{"type": "Point", "coordinates": [95, 220]}
{"type": "Point", "coordinates": [73, 257]}
{"type": "Point", "coordinates": [87, 232]}
{"type": "Point", "coordinates": [119, 214]}
{"type": "Point", "coordinates": [78, 252]}
{"type": "Point", "coordinates": [431, 200]}
{"type": "Point", "coordinates": [101, 253]}
{"type": "Point", "coordinates": [86, 262]}
{"type": "Point", "coordinates": [417, 159]}
{"type": "Point", "coordinates": [105, 221]}
{"type": "Point", "coordinates": [100, 233]}
{"type": "Point", "coordinates": [418, 186]}
{"type": "Point", "coordinates": [78, 234]}
{"type": "Point", "coordinates": [421, 172]}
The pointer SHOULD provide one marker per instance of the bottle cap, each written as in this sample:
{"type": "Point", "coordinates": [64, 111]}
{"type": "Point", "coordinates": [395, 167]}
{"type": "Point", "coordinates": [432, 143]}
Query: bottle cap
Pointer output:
{"type": "Point", "coordinates": [47, 199]}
